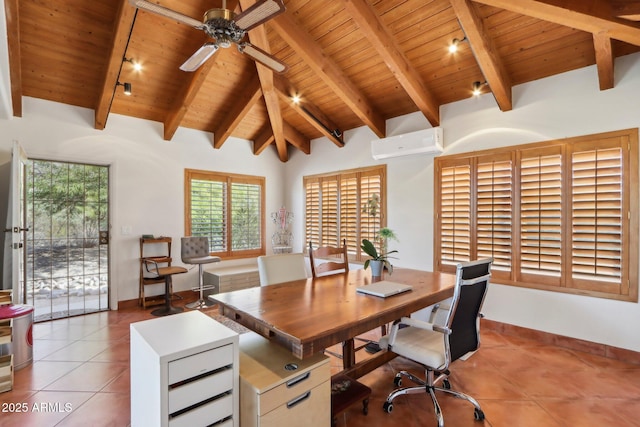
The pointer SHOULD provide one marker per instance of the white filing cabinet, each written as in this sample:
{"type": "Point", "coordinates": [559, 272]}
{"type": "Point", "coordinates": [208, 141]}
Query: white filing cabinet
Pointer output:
{"type": "Point", "coordinates": [184, 372]}
{"type": "Point", "coordinates": [277, 389]}
{"type": "Point", "coordinates": [227, 279]}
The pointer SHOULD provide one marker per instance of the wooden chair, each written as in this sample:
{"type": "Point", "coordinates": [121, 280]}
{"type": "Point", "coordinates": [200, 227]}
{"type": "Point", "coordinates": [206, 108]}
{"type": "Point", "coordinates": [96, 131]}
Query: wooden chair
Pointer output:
{"type": "Point", "coordinates": [341, 262]}
{"type": "Point", "coordinates": [338, 262]}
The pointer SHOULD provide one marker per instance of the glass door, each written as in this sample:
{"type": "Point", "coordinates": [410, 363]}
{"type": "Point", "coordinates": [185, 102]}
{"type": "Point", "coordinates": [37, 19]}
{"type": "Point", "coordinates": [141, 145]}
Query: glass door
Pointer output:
{"type": "Point", "coordinates": [67, 207]}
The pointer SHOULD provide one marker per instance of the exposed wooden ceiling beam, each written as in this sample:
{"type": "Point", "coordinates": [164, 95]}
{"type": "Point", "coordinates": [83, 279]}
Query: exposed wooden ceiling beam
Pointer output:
{"type": "Point", "coordinates": [263, 140]}
{"type": "Point", "coordinates": [309, 112]}
{"type": "Point", "coordinates": [485, 52]}
{"type": "Point", "coordinates": [382, 40]}
{"type": "Point", "coordinates": [185, 97]}
{"type": "Point", "coordinates": [604, 60]}
{"type": "Point", "coordinates": [328, 71]}
{"type": "Point", "coordinates": [297, 139]}
{"type": "Point", "coordinates": [593, 16]}
{"type": "Point", "coordinates": [250, 95]}
{"type": "Point", "coordinates": [13, 42]}
{"type": "Point", "coordinates": [258, 37]}
{"type": "Point", "coordinates": [122, 29]}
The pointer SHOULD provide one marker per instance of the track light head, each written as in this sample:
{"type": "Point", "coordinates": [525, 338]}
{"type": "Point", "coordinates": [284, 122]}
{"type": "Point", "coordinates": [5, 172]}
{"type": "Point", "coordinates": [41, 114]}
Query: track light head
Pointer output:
{"type": "Point", "coordinates": [453, 47]}
{"type": "Point", "coordinates": [127, 87]}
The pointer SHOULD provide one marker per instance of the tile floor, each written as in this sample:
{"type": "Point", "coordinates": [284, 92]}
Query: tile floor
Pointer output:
{"type": "Point", "coordinates": [80, 377]}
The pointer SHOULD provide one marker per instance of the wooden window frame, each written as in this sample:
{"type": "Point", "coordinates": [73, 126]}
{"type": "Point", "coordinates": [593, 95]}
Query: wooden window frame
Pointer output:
{"type": "Point", "coordinates": [562, 254]}
{"type": "Point", "coordinates": [229, 179]}
{"type": "Point", "coordinates": [351, 221]}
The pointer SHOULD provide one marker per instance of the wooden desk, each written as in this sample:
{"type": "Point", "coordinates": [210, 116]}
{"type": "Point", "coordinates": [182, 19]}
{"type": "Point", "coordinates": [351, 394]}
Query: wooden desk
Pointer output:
{"type": "Point", "coordinates": [307, 316]}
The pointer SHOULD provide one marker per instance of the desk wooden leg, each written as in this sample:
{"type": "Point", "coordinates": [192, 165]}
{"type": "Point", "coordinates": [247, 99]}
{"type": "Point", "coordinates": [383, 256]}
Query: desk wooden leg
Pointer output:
{"type": "Point", "coordinates": [348, 354]}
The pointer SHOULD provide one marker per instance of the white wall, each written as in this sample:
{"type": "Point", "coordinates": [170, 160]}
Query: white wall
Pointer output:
{"type": "Point", "coordinates": [561, 106]}
{"type": "Point", "coordinates": [147, 175]}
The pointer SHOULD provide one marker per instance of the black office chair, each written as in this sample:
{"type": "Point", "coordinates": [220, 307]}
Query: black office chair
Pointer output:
{"type": "Point", "coordinates": [436, 346]}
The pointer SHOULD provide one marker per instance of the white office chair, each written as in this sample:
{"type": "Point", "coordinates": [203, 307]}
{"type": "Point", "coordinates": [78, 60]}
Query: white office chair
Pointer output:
{"type": "Point", "coordinates": [437, 345]}
{"type": "Point", "coordinates": [281, 268]}
{"type": "Point", "coordinates": [195, 250]}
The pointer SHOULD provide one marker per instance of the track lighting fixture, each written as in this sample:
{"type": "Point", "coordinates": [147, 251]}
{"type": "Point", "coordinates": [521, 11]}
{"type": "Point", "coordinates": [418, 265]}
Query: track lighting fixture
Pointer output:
{"type": "Point", "coordinates": [127, 87]}
{"type": "Point", "coordinates": [477, 88]}
{"type": "Point", "coordinates": [453, 47]}
{"type": "Point", "coordinates": [136, 64]}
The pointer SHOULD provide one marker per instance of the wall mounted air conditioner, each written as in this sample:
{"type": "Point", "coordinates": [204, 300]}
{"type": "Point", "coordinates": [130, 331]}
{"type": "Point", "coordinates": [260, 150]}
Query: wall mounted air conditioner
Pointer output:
{"type": "Point", "coordinates": [427, 141]}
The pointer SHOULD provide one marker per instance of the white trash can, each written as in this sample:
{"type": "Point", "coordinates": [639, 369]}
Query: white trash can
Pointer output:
{"type": "Point", "coordinates": [21, 345]}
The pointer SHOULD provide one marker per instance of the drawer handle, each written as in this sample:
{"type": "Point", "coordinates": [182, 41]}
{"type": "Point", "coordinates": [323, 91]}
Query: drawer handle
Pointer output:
{"type": "Point", "coordinates": [298, 379]}
{"type": "Point", "coordinates": [298, 399]}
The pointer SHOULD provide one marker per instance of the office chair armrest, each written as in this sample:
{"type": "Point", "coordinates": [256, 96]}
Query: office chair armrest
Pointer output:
{"type": "Point", "coordinates": [421, 324]}
{"type": "Point", "coordinates": [154, 266]}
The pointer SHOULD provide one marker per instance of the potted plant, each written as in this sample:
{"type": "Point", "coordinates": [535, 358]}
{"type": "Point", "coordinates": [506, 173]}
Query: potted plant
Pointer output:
{"type": "Point", "coordinates": [379, 260]}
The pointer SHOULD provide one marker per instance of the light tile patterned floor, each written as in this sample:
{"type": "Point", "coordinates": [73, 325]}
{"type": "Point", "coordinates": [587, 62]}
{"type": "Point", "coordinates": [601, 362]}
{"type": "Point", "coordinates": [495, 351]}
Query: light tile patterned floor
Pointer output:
{"type": "Point", "coordinates": [80, 377]}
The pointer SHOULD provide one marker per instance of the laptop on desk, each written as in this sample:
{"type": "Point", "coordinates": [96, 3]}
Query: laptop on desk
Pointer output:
{"type": "Point", "coordinates": [384, 288]}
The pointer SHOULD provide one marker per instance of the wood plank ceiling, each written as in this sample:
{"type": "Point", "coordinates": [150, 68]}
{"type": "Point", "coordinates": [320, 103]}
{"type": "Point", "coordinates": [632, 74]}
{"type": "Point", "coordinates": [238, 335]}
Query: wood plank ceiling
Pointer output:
{"type": "Point", "coordinates": [352, 62]}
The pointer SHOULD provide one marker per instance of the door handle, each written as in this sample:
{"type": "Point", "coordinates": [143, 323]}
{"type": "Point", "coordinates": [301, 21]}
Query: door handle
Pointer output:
{"type": "Point", "coordinates": [19, 229]}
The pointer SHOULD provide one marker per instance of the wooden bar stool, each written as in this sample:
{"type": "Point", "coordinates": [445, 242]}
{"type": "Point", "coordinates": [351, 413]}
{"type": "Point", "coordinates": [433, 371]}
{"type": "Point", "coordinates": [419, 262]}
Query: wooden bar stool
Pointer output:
{"type": "Point", "coordinates": [165, 273]}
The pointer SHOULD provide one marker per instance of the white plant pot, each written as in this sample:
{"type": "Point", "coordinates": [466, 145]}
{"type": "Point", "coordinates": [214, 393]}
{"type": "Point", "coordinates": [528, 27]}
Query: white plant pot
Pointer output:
{"type": "Point", "coordinates": [376, 268]}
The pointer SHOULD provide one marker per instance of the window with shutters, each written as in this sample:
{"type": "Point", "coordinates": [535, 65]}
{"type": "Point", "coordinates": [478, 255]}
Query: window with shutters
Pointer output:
{"type": "Point", "coordinates": [349, 205]}
{"type": "Point", "coordinates": [559, 215]}
{"type": "Point", "coordinates": [228, 209]}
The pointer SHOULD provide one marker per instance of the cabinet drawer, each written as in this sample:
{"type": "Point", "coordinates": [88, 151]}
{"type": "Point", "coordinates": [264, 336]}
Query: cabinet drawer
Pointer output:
{"type": "Point", "coordinates": [310, 408]}
{"type": "Point", "coordinates": [6, 373]}
{"type": "Point", "coordinates": [200, 363]}
{"type": "Point", "coordinates": [206, 414]}
{"type": "Point", "coordinates": [196, 391]}
{"type": "Point", "coordinates": [5, 334]}
{"type": "Point", "coordinates": [293, 388]}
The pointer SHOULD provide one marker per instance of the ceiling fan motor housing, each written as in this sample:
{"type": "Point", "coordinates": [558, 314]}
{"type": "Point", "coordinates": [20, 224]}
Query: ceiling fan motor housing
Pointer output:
{"type": "Point", "coordinates": [219, 25]}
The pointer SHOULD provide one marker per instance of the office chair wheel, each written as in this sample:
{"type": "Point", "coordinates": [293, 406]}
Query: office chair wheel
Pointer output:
{"type": "Point", "coordinates": [478, 415]}
{"type": "Point", "coordinates": [387, 407]}
{"type": "Point", "coordinates": [397, 381]}
{"type": "Point", "coordinates": [446, 384]}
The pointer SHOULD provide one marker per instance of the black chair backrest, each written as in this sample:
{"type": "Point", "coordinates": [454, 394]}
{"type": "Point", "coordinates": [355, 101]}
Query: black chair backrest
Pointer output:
{"type": "Point", "coordinates": [472, 282]}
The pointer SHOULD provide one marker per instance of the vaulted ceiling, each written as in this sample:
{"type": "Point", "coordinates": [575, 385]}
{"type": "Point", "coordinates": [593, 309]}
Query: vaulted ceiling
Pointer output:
{"type": "Point", "coordinates": [351, 62]}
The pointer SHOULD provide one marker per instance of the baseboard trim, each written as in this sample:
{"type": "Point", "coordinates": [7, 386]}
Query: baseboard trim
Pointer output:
{"type": "Point", "coordinates": [604, 350]}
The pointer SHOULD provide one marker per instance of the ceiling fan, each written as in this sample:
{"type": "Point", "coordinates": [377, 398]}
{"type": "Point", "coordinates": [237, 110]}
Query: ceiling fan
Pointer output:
{"type": "Point", "coordinates": [225, 28]}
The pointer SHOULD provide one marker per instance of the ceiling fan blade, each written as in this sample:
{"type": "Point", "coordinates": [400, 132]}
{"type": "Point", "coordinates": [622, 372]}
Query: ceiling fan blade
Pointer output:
{"type": "Point", "coordinates": [163, 11]}
{"type": "Point", "coordinates": [259, 13]}
{"type": "Point", "coordinates": [199, 57]}
{"type": "Point", "coordinates": [263, 57]}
